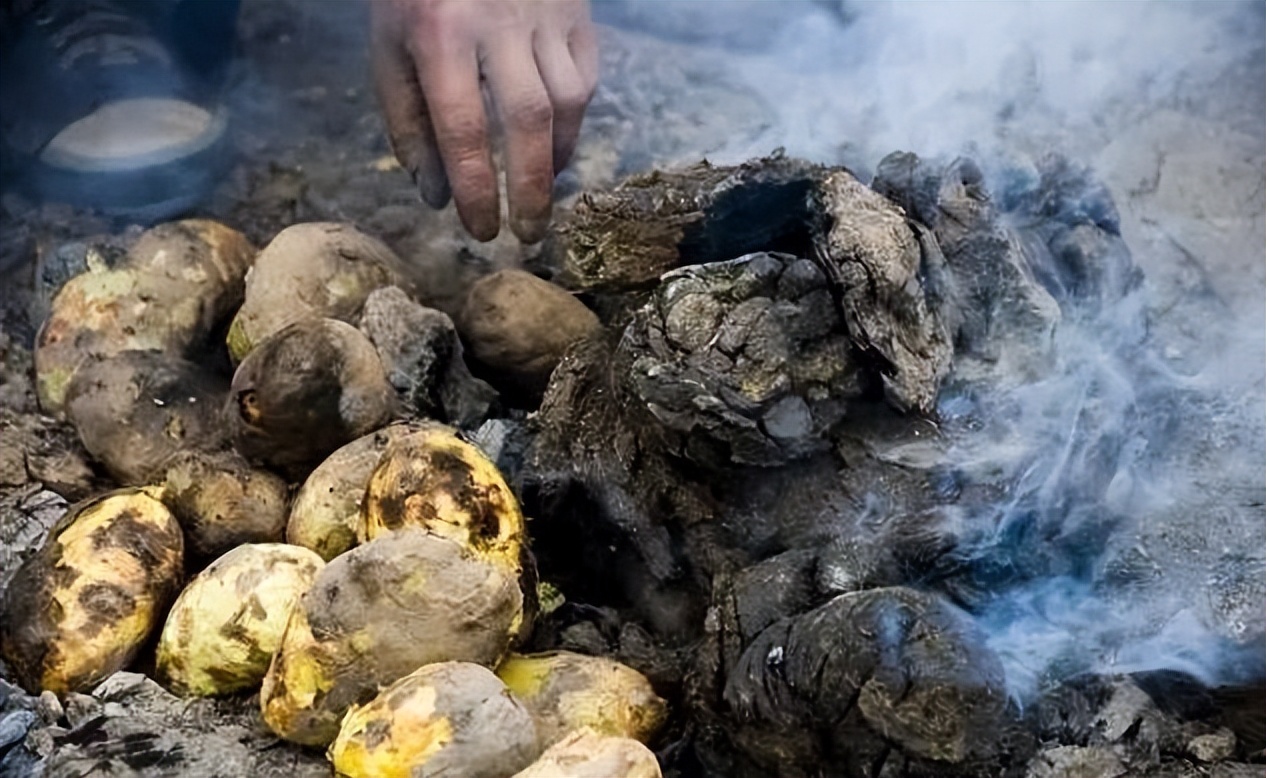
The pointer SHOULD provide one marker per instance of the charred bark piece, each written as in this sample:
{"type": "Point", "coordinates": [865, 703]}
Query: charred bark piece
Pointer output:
{"type": "Point", "coordinates": [649, 224]}
{"type": "Point", "coordinates": [997, 312]}
{"type": "Point", "coordinates": [877, 264]}
{"type": "Point", "coordinates": [866, 673]}
{"type": "Point", "coordinates": [747, 360]}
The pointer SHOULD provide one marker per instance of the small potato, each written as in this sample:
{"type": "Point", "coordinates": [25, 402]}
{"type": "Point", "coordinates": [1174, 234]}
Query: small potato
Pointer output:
{"type": "Point", "coordinates": [180, 281]}
{"type": "Point", "coordinates": [326, 511]}
{"type": "Point", "coordinates": [223, 502]}
{"type": "Point", "coordinates": [450, 718]}
{"type": "Point", "coordinates": [306, 390]}
{"type": "Point", "coordinates": [566, 691]}
{"type": "Point", "coordinates": [374, 615]}
{"type": "Point", "coordinates": [81, 608]}
{"type": "Point", "coordinates": [224, 627]}
{"type": "Point", "coordinates": [138, 410]}
{"type": "Point", "coordinates": [314, 270]}
{"type": "Point", "coordinates": [518, 326]}
{"type": "Point", "coordinates": [585, 753]}
{"type": "Point", "coordinates": [435, 480]}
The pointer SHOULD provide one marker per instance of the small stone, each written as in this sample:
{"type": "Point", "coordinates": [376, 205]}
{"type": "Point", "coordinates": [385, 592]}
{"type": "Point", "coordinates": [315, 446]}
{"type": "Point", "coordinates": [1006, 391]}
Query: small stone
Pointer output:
{"type": "Point", "coordinates": [40, 742]}
{"type": "Point", "coordinates": [50, 708]}
{"type": "Point", "coordinates": [81, 708]}
{"type": "Point", "coordinates": [1213, 747]}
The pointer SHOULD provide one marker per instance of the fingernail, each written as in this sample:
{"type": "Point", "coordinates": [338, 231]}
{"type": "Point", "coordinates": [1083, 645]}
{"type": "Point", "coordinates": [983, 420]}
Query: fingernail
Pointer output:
{"type": "Point", "coordinates": [432, 189]}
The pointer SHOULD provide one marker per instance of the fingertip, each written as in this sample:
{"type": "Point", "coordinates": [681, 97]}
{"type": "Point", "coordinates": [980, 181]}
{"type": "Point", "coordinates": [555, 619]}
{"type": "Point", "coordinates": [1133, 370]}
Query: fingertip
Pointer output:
{"type": "Point", "coordinates": [433, 189]}
{"type": "Point", "coordinates": [530, 230]}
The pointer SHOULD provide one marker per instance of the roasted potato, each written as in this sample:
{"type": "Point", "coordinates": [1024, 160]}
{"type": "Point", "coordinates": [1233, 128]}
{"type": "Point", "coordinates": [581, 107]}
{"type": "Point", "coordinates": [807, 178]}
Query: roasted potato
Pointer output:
{"type": "Point", "coordinates": [223, 502]}
{"type": "Point", "coordinates": [326, 511]}
{"type": "Point", "coordinates": [306, 390]}
{"type": "Point", "coordinates": [566, 691]}
{"type": "Point", "coordinates": [449, 718]}
{"type": "Point", "coordinates": [518, 326]}
{"type": "Point", "coordinates": [83, 605]}
{"type": "Point", "coordinates": [180, 281]}
{"type": "Point", "coordinates": [314, 270]}
{"type": "Point", "coordinates": [138, 410]}
{"type": "Point", "coordinates": [585, 753]}
{"type": "Point", "coordinates": [431, 478]}
{"type": "Point", "coordinates": [221, 633]}
{"type": "Point", "coordinates": [375, 614]}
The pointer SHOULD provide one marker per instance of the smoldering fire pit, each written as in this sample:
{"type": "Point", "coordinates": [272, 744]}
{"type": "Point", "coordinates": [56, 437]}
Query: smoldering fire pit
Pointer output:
{"type": "Point", "coordinates": [817, 466]}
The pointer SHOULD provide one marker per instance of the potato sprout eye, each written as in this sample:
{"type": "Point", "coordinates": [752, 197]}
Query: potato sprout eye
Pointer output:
{"type": "Point", "coordinates": [248, 406]}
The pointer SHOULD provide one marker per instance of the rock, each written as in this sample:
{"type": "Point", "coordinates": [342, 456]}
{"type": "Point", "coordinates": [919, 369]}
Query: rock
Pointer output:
{"type": "Point", "coordinates": [50, 708]}
{"type": "Point", "coordinates": [14, 726]}
{"type": "Point", "coordinates": [423, 356]}
{"type": "Point", "coordinates": [81, 708]}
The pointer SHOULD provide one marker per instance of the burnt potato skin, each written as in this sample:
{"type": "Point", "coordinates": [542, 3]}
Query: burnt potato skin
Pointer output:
{"type": "Point", "coordinates": [306, 390]}
{"type": "Point", "coordinates": [81, 608]}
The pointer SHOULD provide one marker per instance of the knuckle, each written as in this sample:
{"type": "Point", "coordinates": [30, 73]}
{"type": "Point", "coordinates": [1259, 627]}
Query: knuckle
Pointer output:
{"type": "Point", "coordinates": [531, 114]}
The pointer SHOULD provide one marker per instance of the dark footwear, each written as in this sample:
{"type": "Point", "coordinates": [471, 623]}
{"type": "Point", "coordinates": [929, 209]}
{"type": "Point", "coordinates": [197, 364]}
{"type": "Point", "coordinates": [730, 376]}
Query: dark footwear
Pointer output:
{"type": "Point", "coordinates": [97, 110]}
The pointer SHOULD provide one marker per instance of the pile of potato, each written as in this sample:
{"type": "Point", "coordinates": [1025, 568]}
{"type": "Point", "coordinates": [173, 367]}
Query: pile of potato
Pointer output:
{"type": "Point", "coordinates": [286, 524]}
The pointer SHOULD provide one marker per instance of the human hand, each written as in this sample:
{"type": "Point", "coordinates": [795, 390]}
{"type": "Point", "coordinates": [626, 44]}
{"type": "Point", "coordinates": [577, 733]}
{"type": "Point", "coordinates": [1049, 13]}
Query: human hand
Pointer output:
{"type": "Point", "coordinates": [540, 61]}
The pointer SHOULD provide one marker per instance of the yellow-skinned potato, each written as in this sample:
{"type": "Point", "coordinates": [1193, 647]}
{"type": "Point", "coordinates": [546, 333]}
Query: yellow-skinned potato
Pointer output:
{"type": "Point", "coordinates": [326, 511]}
{"type": "Point", "coordinates": [374, 615]}
{"type": "Point", "coordinates": [585, 753]}
{"type": "Point", "coordinates": [566, 691]}
{"type": "Point", "coordinates": [82, 607]}
{"type": "Point", "coordinates": [319, 269]}
{"type": "Point", "coordinates": [179, 282]}
{"type": "Point", "coordinates": [449, 718]}
{"type": "Point", "coordinates": [435, 480]}
{"type": "Point", "coordinates": [223, 629]}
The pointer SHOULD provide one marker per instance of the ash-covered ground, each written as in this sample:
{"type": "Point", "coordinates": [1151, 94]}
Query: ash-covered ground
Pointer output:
{"type": "Point", "coordinates": [1166, 105]}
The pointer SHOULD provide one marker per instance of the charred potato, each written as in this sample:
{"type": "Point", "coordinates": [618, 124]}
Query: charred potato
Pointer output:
{"type": "Point", "coordinates": [433, 479]}
{"type": "Point", "coordinates": [377, 613]}
{"type": "Point", "coordinates": [223, 502]}
{"type": "Point", "coordinates": [180, 281]}
{"type": "Point", "coordinates": [306, 390]}
{"type": "Point", "coordinates": [450, 718]}
{"type": "Point", "coordinates": [567, 691]}
{"type": "Point", "coordinates": [82, 607]}
{"type": "Point", "coordinates": [326, 511]}
{"type": "Point", "coordinates": [588, 754]}
{"type": "Point", "coordinates": [315, 270]}
{"type": "Point", "coordinates": [518, 327]}
{"type": "Point", "coordinates": [221, 633]}
{"type": "Point", "coordinates": [138, 410]}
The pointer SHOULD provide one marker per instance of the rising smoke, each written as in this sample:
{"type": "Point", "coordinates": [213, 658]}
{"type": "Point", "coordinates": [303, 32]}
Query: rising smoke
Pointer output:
{"type": "Point", "coordinates": [1132, 533]}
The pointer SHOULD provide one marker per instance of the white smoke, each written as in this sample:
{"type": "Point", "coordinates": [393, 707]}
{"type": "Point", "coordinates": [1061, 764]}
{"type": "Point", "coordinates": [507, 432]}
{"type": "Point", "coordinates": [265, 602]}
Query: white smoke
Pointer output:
{"type": "Point", "coordinates": [1153, 567]}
